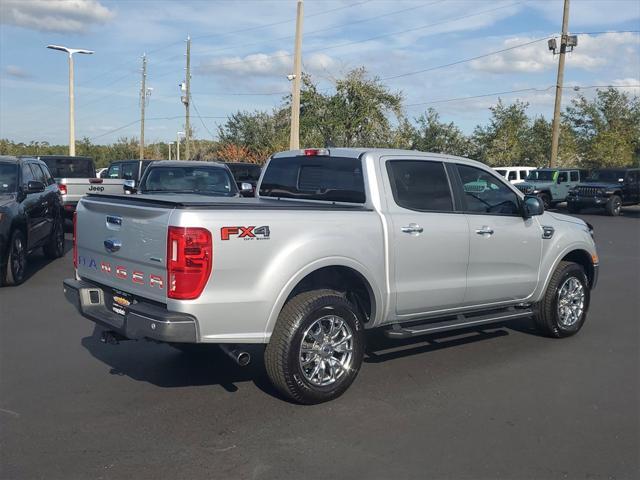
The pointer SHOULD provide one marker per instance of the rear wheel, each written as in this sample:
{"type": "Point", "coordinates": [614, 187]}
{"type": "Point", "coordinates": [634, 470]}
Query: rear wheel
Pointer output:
{"type": "Point", "coordinates": [316, 348]}
{"type": "Point", "coordinates": [613, 206]}
{"type": "Point", "coordinates": [16, 260]}
{"type": "Point", "coordinates": [563, 310]}
{"type": "Point", "coordinates": [55, 246]}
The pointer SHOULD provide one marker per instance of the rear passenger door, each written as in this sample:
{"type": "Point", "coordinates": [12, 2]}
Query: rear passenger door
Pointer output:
{"type": "Point", "coordinates": [504, 248]}
{"type": "Point", "coordinates": [632, 187]}
{"type": "Point", "coordinates": [429, 241]}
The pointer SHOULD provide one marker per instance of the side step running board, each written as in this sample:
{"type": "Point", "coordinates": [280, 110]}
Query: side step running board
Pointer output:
{"type": "Point", "coordinates": [398, 331]}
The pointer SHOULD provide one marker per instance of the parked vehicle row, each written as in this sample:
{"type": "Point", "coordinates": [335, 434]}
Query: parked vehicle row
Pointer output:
{"type": "Point", "coordinates": [338, 241]}
{"type": "Point", "coordinates": [31, 210]}
{"type": "Point", "coordinates": [515, 175]}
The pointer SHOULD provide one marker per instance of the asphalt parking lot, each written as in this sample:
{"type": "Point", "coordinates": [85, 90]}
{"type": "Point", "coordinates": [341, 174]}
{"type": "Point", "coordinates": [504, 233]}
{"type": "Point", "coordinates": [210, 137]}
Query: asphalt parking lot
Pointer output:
{"type": "Point", "coordinates": [500, 402]}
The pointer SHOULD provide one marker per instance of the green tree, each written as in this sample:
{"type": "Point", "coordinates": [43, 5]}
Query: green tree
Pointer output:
{"type": "Point", "coordinates": [432, 135]}
{"type": "Point", "coordinates": [607, 128]}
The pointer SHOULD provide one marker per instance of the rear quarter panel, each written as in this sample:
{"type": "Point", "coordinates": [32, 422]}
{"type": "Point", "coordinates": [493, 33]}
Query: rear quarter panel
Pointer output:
{"type": "Point", "coordinates": [252, 276]}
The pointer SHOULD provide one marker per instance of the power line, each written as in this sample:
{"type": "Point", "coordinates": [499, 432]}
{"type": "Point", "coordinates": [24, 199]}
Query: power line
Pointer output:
{"type": "Point", "coordinates": [521, 90]}
{"type": "Point", "coordinates": [195, 107]}
{"type": "Point", "coordinates": [149, 118]}
{"type": "Point", "coordinates": [465, 60]}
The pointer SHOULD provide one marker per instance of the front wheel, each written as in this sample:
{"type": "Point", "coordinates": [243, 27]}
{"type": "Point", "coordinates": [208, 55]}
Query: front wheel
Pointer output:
{"type": "Point", "coordinates": [546, 200]}
{"type": "Point", "coordinates": [316, 348]}
{"type": "Point", "coordinates": [563, 310]}
{"type": "Point", "coordinates": [16, 260]}
{"type": "Point", "coordinates": [613, 206]}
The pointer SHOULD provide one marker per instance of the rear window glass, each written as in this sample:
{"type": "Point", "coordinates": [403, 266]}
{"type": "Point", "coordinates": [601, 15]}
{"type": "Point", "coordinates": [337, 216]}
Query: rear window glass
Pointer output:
{"type": "Point", "coordinates": [245, 173]}
{"type": "Point", "coordinates": [71, 167]}
{"type": "Point", "coordinates": [335, 179]}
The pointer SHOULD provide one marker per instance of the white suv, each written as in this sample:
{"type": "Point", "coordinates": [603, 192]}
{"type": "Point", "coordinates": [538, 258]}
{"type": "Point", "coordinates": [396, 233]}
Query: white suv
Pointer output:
{"type": "Point", "coordinates": [514, 174]}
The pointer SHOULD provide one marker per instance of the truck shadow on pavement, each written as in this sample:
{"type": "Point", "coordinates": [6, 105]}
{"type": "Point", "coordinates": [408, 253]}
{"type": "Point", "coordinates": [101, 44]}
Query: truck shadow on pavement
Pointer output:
{"type": "Point", "coordinates": [167, 367]}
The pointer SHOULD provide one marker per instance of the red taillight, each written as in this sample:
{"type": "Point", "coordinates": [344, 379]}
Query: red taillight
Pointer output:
{"type": "Point", "coordinates": [189, 261]}
{"type": "Point", "coordinates": [75, 240]}
{"type": "Point", "coordinates": [63, 188]}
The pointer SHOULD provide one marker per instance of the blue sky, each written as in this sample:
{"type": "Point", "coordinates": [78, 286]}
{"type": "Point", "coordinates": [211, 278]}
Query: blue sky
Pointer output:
{"type": "Point", "coordinates": [241, 54]}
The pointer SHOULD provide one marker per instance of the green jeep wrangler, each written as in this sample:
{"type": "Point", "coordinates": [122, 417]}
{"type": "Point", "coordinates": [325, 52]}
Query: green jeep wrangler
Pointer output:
{"type": "Point", "coordinates": [552, 185]}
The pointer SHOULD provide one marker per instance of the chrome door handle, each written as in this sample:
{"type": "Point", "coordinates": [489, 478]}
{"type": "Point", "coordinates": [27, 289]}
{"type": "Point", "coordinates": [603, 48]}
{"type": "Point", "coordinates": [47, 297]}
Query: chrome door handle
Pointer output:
{"type": "Point", "coordinates": [412, 228]}
{"type": "Point", "coordinates": [485, 231]}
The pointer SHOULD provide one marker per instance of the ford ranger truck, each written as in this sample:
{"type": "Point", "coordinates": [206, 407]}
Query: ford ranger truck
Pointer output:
{"type": "Point", "coordinates": [337, 241]}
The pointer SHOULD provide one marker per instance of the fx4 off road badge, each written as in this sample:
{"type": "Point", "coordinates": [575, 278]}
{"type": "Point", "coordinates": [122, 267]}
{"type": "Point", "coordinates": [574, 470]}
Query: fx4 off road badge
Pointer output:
{"type": "Point", "coordinates": [246, 233]}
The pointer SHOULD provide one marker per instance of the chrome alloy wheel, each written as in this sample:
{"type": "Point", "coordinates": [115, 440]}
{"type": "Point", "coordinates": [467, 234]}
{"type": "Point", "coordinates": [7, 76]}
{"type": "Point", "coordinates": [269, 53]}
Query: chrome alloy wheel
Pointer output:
{"type": "Point", "coordinates": [326, 351]}
{"type": "Point", "coordinates": [571, 298]}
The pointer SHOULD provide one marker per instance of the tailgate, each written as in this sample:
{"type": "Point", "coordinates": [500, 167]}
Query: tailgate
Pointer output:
{"type": "Point", "coordinates": [123, 245]}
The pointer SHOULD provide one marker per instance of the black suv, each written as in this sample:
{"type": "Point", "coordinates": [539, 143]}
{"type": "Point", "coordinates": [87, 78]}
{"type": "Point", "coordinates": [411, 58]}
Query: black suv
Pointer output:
{"type": "Point", "coordinates": [30, 215]}
{"type": "Point", "coordinates": [610, 188]}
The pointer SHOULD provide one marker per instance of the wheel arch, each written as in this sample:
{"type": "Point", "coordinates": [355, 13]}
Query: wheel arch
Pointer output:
{"type": "Point", "coordinates": [337, 273]}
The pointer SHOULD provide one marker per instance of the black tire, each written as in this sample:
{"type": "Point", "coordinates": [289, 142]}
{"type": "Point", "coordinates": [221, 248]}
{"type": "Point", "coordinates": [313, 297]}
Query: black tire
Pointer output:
{"type": "Point", "coordinates": [613, 206]}
{"type": "Point", "coordinates": [54, 248]}
{"type": "Point", "coordinates": [573, 208]}
{"type": "Point", "coordinates": [547, 315]}
{"type": "Point", "coordinates": [546, 200]}
{"type": "Point", "coordinates": [16, 259]}
{"type": "Point", "coordinates": [283, 353]}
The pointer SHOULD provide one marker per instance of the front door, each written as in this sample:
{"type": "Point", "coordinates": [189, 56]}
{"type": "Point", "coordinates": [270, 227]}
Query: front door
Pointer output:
{"type": "Point", "coordinates": [429, 241]}
{"type": "Point", "coordinates": [504, 248]}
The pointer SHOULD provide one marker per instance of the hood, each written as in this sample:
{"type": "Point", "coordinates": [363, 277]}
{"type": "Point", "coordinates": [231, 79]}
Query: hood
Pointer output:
{"type": "Point", "coordinates": [6, 198]}
{"type": "Point", "coordinates": [566, 218]}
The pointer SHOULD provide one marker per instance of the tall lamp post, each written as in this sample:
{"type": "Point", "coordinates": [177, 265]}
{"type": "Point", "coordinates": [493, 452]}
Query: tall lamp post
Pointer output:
{"type": "Point", "coordinates": [72, 120]}
{"type": "Point", "coordinates": [178, 144]}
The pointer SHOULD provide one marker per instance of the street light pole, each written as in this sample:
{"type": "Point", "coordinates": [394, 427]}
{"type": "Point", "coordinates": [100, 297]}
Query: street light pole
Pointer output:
{"type": "Point", "coordinates": [72, 119]}
{"type": "Point", "coordinates": [178, 145]}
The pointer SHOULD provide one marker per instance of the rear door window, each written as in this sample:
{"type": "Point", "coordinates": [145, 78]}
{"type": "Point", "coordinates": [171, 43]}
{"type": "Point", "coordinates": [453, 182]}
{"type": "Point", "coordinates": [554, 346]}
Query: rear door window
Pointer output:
{"type": "Point", "coordinates": [513, 175]}
{"type": "Point", "coordinates": [71, 167]}
{"type": "Point", "coordinates": [38, 174]}
{"type": "Point", "coordinates": [523, 174]}
{"type": "Point", "coordinates": [27, 174]}
{"type": "Point", "coordinates": [335, 179]}
{"type": "Point", "coordinates": [129, 171]}
{"type": "Point", "coordinates": [575, 177]}
{"type": "Point", "coordinates": [420, 185]}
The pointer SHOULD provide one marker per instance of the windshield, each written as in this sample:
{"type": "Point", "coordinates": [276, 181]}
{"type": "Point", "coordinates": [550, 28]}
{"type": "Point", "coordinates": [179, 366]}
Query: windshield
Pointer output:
{"type": "Point", "coordinates": [542, 176]}
{"type": "Point", "coordinates": [8, 177]}
{"type": "Point", "coordinates": [70, 167]}
{"type": "Point", "coordinates": [610, 176]}
{"type": "Point", "coordinates": [245, 173]}
{"type": "Point", "coordinates": [201, 180]}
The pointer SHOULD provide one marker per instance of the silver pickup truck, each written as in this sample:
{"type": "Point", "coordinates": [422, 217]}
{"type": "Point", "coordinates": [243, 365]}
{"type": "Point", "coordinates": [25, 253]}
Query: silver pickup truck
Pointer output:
{"type": "Point", "coordinates": [337, 242]}
{"type": "Point", "coordinates": [76, 177]}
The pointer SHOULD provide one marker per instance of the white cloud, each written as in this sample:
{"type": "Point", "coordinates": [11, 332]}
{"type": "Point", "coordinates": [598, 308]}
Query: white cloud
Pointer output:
{"type": "Point", "coordinates": [592, 52]}
{"type": "Point", "coordinates": [16, 72]}
{"type": "Point", "coordinates": [63, 16]}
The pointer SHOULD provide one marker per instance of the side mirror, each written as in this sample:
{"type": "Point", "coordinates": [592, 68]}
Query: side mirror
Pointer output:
{"type": "Point", "coordinates": [129, 187]}
{"type": "Point", "coordinates": [246, 189]}
{"type": "Point", "coordinates": [532, 206]}
{"type": "Point", "coordinates": [35, 187]}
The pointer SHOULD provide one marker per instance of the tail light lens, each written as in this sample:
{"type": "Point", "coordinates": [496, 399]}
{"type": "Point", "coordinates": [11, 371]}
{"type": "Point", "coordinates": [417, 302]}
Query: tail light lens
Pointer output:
{"type": "Point", "coordinates": [75, 240]}
{"type": "Point", "coordinates": [63, 188]}
{"type": "Point", "coordinates": [189, 261]}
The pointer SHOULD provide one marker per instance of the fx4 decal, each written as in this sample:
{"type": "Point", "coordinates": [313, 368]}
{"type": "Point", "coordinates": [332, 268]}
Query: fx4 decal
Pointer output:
{"type": "Point", "coordinates": [246, 233]}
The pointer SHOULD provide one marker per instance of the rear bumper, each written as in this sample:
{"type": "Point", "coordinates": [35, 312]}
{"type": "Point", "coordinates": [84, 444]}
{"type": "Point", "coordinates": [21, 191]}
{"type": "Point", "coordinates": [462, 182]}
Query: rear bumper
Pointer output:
{"type": "Point", "coordinates": [141, 320]}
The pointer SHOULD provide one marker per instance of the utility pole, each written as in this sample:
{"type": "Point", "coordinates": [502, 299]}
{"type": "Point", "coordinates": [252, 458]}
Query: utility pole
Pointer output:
{"type": "Point", "coordinates": [170, 150]}
{"type": "Point", "coordinates": [143, 101]}
{"type": "Point", "coordinates": [555, 138]}
{"type": "Point", "coordinates": [294, 141]}
{"type": "Point", "coordinates": [186, 100]}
